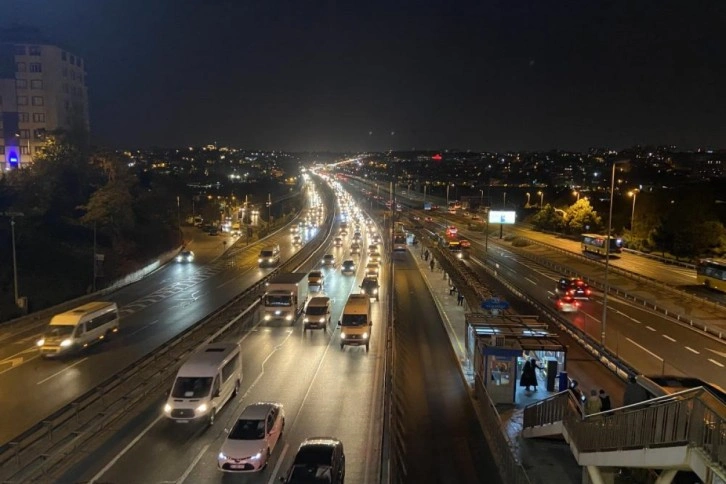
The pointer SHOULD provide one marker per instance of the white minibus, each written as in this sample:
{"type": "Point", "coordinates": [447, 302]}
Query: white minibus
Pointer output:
{"type": "Point", "coordinates": [205, 382]}
{"type": "Point", "coordinates": [79, 328]}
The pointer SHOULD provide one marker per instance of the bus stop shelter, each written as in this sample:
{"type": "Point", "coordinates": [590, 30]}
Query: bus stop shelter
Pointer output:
{"type": "Point", "coordinates": [498, 347]}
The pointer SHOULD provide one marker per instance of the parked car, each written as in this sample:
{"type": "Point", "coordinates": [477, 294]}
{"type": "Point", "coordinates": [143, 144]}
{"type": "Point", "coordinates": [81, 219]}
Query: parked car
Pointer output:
{"type": "Point", "coordinates": [254, 436]}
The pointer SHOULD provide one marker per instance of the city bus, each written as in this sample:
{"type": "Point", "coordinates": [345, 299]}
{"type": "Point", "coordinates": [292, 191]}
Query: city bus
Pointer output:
{"type": "Point", "coordinates": [596, 244]}
{"type": "Point", "coordinates": [451, 241]}
{"type": "Point", "coordinates": [712, 273]}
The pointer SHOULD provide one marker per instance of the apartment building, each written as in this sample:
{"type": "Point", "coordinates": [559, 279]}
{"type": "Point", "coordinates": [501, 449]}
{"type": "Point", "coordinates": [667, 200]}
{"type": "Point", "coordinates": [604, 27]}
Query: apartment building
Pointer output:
{"type": "Point", "coordinates": [42, 88]}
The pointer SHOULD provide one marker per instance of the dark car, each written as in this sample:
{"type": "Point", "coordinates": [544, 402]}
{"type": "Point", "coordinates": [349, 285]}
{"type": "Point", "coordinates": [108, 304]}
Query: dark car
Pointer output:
{"type": "Point", "coordinates": [348, 266]}
{"type": "Point", "coordinates": [574, 286]}
{"type": "Point", "coordinates": [370, 286]}
{"type": "Point", "coordinates": [318, 460]}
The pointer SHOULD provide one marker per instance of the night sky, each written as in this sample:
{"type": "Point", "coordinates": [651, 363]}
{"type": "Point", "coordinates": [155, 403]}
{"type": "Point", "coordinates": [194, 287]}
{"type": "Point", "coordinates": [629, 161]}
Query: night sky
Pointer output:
{"type": "Point", "coordinates": [375, 75]}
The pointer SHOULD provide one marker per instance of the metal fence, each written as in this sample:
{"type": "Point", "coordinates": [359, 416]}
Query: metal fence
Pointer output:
{"type": "Point", "coordinates": [54, 443]}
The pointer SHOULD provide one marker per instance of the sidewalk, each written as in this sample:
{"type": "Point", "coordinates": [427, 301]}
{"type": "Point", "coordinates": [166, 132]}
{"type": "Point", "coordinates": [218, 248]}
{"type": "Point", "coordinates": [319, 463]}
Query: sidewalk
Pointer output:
{"type": "Point", "coordinates": [550, 458]}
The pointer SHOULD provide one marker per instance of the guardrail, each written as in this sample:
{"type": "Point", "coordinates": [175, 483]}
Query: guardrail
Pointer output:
{"type": "Point", "coordinates": [676, 317]}
{"type": "Point", "coordinates": [56, 440]}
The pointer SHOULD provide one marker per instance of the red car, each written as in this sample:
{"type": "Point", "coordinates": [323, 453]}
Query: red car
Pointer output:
{"type": "Point", "coordinates": [575, 287]}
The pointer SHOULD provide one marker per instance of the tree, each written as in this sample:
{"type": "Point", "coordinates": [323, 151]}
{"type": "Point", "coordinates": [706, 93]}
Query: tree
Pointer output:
{"type": "Point", "coordinates": [582, 218]}
{"type": "Point", "coordinates": [548, 219]}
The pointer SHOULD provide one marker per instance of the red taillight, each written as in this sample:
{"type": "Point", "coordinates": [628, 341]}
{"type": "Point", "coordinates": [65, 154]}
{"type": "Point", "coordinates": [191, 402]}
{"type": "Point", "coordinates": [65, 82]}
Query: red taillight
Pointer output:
{"type": "Point", "coordinates": [588, 292]}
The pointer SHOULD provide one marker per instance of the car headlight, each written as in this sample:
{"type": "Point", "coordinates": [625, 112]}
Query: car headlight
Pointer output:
{"type": "Point", "coordinates": [259, 260]}
{"type": "Point", "coordinates": [288, 317]}
{"type": "Point", "coordinates": [40, 342]}
{"type": "Point", "coordinates": [202, 408]}
{"type": "Point", "coordinates": [256, 456]}
{"type": "Point", "coordinates": [375, 291]}
{"type": "Point", "coordinates": [322, 320]}
{"type": "Point", "coordinates": [267, 317]}
{"type": "Point", "coordinates": [167, 408]}
{"type": "Point", "coordinates": [221, 456]}
{"type": "Point", "coordinates": [362, 291]}
{"type": "Point", "coordinates": [179, 258]}
{"type": "Point", "coordinates": [65, 343]}
{"type": "Point", "coordinates": [306, 319]}
{"type": "Point", "coordinates": [342, 335]}
{"type": "Point", "coordinates": [365, 335]}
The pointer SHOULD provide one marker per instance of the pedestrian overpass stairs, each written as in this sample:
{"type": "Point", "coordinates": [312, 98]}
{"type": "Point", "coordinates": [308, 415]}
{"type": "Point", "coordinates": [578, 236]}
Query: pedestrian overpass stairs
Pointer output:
{"type": "Point", "coordinates": [681, 431]}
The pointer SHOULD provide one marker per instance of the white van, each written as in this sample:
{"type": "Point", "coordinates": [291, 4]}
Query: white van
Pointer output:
{"type": "Point", "coordinates": [79, 328]}
{"type": "Point", "coordinates": [205, 382]}
{"type": "Point", "coordinates": [317, 314]}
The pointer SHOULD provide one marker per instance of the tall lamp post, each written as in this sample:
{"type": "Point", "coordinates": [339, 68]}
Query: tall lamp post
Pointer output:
{"type": "Point", "coordinates": [481, 198]}
{"type": "Point", "coordinates": [633, 193]}
{"type": "Point", "coordinates": [12, 216]}
{"type": "Point", "coordinates": [448, 185]}
{"type": "Point", "coordinates": [504, 200]}
{"type": "Point", "coordinates": [269, 211]}
{"type": "Point", "coordinates": [607, 254]}
{"type": "Point", "coordinates": [541, 198]}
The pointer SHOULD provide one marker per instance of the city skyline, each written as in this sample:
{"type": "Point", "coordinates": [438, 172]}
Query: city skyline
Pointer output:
{"type": "Point", "coordinates": [424, 75]}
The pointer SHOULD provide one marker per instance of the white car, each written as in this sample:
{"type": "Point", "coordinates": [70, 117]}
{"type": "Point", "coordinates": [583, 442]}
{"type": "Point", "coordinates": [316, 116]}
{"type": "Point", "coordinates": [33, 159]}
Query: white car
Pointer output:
{"type": "Point", "coordinates": [328, 260]}
{"type": "Point", "coordinates": [254, 436]}
{"type": "Point", "coordinates": [373, 267]}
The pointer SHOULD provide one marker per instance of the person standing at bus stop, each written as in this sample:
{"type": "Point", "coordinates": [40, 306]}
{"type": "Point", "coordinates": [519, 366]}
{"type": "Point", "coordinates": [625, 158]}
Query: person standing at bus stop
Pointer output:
{"type": "Point", "coordinates": [432, 264]}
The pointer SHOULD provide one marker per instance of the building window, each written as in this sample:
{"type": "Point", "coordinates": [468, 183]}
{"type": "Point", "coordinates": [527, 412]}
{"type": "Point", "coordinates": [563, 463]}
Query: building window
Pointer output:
{"type": "Point", "coordinates": [23, 117]}
{"type": "Point", "coordinates": [34, 50]}
{"type": "Point", "coordinates": [39, 117]}
{"type": "Point", "coordinates": [37, 100]}
{"type": "Point", "coordinates": [64, 55]}
{"type": "Point", "coordinates": [22, 100]}
{"type": "Point", "coordinates": [25, 150]}
{"type": "Point", "coordinates": [80, 78]}
{"type": "Point", "coordinates": [39, 133]}
{"type": "Point", "coordinates": [36, 84]}
{"type": "Point", "coordinates": [35, 67]}
{"type": "Point", "coordinates": [19, 50]}
{"type": "Point", "coordinates": [2, 150]}
{"type": "Point", "coordinates": [73, 75]}
{"type": "Point", "coordinates": [21, 83]}
{"type": "Point", "coordinates": [79, 63]}
{"type": "Point", "coordinates": [65, 72]}
{"type": "Point", "coordinates": [24, 133]}
{"type": "Point", "coordinates": [73, 59]}
{"type": "Point", "coordinates": [20, 67]}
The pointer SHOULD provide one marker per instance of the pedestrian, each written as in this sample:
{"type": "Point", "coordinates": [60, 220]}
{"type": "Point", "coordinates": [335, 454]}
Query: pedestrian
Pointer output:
{"type": "Point", "coordinates": [634, 393]}
{"type": "Point", "coordinates": [593, 404]}
{"type": "Point", "coordinates": [535, 366]}
{"type": "Point", "coordinates": [605, 401]}
{"type": "Point", "coordinates": [426, 255]}
{"type": "Point", "coordinates": [431, 264]}
{"type": "Point", "coordinates": [460, 299]}
{"type": "Point", "coordinates": [575, 389]}
{"type": "Point", "coordinates": [451, 289]}
{"type": "Point", "coordinates": [528, 377]}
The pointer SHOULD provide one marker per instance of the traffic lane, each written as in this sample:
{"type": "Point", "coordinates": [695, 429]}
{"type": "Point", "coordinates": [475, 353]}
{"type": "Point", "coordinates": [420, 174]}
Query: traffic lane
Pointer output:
{"type": "Point", "coordinates": [645, 339]}
{"type": "Point", "coordinates": [166, 447]}
{"type": "Point", "coordinates": [339, 398]}
{"type": "Point", "coordinates": [281, 373]}
{"type": "Point", "coordinates": [443, 440]}
{"type": "Point", "coordinates": [40, 387]}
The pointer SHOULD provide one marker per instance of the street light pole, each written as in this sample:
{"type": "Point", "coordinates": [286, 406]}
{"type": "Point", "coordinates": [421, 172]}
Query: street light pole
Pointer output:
{"type": "Point", "coordinates": [269, 211]}
{"type": "Point", "coordinates": [607, 255]}
{"type": "Point", "coordinates": [504, 200]}
{"type": "Point", "coordinates": [447, 194]}
{"type": "Point", "coordinates": [541, 199]}
{"type": "Point", "coordinates": [481, 197]}
{"type": "Point", "coordinates": [15, 262]}
{"type": "Point", "coordinates": [178, 213]}
{"type": "Point", "coordinates": [634, 194]}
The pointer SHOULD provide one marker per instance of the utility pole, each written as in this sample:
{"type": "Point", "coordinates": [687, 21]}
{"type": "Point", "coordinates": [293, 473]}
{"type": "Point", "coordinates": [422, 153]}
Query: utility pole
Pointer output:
{"type": "Point", "coordinates": [12, 216]}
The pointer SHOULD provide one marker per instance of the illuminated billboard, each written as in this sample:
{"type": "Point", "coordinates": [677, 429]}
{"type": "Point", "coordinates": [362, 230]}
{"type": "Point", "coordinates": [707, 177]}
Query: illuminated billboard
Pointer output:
{"type": "Point", "coordinates": [502, 217]}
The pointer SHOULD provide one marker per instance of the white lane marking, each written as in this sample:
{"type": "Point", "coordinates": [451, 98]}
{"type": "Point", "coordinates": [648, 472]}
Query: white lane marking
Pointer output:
{"type": "Point", "coordinates": [719, 353]}
{"type": "Point", "coordinates": [668, 338]}
{"type": "Point", "coordinates": [194, 463]}
{"type": "Point", "coordinates": [61, 371]}
{"type": "Point", "coordinates": [645, 349]}
{"type": "Point", "coordinates": [692, 350]}
{"type": "Point", "coordinates": [530, 280]}
{"type": "Point", "coordinates": [715, 362]}
{"type": "Point", "coordinates": [279, 463]}
{"type": "Point", "coordinates": [16, 362]}
{"type": "Point", "coordinates": [652, 329]}
{"type": "Point", "coordinates": [113, 461]}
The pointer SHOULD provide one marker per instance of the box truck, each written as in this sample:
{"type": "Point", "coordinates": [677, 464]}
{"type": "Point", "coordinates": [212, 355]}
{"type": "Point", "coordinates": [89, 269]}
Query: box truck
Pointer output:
{"type": "Point", "coordinates": [285, 296]}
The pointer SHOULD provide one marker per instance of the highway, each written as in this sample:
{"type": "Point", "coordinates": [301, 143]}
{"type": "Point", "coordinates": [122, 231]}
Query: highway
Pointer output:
{"type": "Point", "coordinates": [646, 339]}
{"type": "Point", "coordinates": [442, 437]}
{"type": "Point", "coordinates": [325, 391]}
{"type": "Point", "coordinates": [153, 311]}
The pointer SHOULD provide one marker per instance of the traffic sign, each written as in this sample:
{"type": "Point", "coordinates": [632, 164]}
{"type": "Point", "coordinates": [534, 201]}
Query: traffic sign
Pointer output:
{"type": "Point", "coordinates": [494, 303]}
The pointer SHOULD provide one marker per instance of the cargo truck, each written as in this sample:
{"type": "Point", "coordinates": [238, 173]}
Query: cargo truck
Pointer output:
{"type": "Point", "coordinates": [355, 323]}
{"type": "Point", "coordinates": [285, 296]}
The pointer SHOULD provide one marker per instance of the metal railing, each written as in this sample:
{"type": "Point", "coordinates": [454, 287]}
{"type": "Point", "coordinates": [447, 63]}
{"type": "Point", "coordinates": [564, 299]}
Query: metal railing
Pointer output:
{"type": "Point", "coordinates": [694, 418]}
{"type": "Point", "coordinates": [64, 436]}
